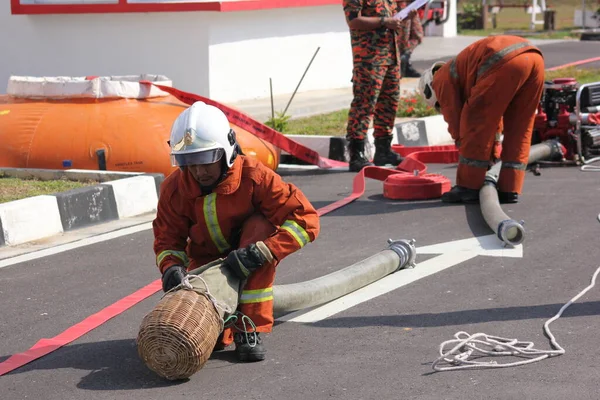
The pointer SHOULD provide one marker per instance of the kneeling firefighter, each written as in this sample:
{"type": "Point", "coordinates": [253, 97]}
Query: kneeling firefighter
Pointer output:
{"type": "Point", "coordinates": [229, 206]}
{"type": "Point", "coordinates": [495, 82]}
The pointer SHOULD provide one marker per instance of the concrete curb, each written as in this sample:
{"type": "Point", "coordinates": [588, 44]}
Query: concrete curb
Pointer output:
{"type": "Point", "coordinates": [118, 195]}
{"type": "Point", "coordinates": [425, 131]}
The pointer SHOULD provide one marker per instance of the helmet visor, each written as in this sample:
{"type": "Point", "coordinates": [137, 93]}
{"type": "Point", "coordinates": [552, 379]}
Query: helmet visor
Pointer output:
{"type": "Point", "coordinates": [202, 157]}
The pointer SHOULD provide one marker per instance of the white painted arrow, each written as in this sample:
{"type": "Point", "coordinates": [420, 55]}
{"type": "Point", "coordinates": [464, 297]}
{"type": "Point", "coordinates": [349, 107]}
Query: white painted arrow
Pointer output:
{"type": "Point", "coordinates": [452, 253]}
{"type": "Point", "coordinates": [488, 245]}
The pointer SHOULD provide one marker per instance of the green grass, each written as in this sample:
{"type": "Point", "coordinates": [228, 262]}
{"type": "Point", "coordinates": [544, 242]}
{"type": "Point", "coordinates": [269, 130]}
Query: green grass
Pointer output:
{"type": "Point", "coordinates": [333, 124]}
{"type": "Point", "coordinates": [15, 189]}
{"type": "Point", "coordinates": [411, 106]}
{"type": "Point", "coordinates": [517, 20]}
{"type": "Point", "coordinates": [581, 75]}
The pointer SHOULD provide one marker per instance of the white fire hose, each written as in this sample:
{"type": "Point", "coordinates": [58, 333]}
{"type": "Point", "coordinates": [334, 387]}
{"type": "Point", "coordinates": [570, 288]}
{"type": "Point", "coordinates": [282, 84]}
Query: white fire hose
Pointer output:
{"type": "Point", "coordinates": [508, 230]}
{"type": "Point", "coordinates": [400, 254]}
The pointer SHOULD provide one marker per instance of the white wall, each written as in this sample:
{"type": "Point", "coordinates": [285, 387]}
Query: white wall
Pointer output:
{"type": "Point", "coordinates": [226, 56]}
{"type": "Point", "coordinates": [248, 48]}
{"type": "Point", "coordinates": [106, 44]}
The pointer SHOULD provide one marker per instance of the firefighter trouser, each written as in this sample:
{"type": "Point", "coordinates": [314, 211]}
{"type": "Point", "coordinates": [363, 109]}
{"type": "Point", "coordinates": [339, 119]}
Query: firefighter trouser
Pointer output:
{"type": "Point", "coordinates": [256, 298]}
{"type": "Point", "coordinates": [510, 95]}
{"type": "Point", "coordinates": [376, 90]}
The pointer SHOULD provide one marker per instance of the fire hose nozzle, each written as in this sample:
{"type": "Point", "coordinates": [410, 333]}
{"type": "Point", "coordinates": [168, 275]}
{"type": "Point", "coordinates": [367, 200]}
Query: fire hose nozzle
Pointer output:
{"type": "Point", "coordinates": [406, 251]}
{"type": "Point", "coordinates": [511, 232]}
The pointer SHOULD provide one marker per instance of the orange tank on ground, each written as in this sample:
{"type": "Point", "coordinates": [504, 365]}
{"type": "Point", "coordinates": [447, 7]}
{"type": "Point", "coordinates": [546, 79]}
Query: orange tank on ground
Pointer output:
{"type": "Point", "coordinates": [102, 123]}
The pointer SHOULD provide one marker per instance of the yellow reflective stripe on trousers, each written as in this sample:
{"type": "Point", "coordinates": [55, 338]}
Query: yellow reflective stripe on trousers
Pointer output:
{"type": "Point", "coordinates": [179, 254]}
{"type": "Point", "coordinates": [296, 231]}
{"type": "Point", "coordinates": [212, 222]}
{"type": "Point", "coordinates": [499, 55]}
{"type": "Point", "coordinates": [514, 165]}
{"type": "Point", "coordinates": [472, 162]}
{"type": "Point", "coordinates": [256, 295]}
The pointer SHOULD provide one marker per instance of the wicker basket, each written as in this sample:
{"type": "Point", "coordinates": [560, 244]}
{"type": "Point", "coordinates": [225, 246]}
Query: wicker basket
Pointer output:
{"type": "Point", "coordinates": [178, 336]}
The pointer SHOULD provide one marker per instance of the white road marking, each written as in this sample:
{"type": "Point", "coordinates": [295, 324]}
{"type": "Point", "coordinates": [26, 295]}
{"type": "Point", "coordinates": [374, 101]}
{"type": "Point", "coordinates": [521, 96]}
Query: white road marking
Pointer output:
{"type": "Point", "coordinates": [454, 252]}
{"type": "Point", "coordinates": [74, 245]}
{"type": "Point", "coordinates": [488, 245]}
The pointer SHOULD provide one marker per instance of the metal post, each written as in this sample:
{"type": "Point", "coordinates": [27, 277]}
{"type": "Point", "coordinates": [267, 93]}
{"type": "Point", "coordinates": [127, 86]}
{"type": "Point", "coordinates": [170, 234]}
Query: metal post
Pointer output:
{"type": "Point", "coordinates": [533, 8]}
{"type": "Point", "coordinates": [305, 71]}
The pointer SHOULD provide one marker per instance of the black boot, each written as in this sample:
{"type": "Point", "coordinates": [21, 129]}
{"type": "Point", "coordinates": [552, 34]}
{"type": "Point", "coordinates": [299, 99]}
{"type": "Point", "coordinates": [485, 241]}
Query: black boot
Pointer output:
{"type": "Point", "coordinates": [384, 154]}
{"type": "Point", "coordinates": [249, 347]}
{"type": "Point", "coordinates": [460, 194]}
{"type": "Point", "coordinates": [358, 159]}
{"type": "Point", "coordinates": [407, 70]}
{"type": "Point", "coordinates": [508, 197]}
{"type": "Point", "coordinates": [219, 346]}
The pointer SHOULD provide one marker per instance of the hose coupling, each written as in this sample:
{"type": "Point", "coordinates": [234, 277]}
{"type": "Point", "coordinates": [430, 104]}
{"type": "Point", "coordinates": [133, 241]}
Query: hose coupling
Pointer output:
{"type": "Point", "coordinates": [490, 180]}
{"type": "Point", "coordinates": [511, 232]}
{"type": "Point", "coordinates": [406, 251]}
{"type": "Point", "coordinates": [556, 152]}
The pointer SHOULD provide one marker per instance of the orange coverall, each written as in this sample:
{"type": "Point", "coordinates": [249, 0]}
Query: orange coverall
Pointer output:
{"type": "Point", "coordinates": [251, 203]}
{"type": "Point", "coordinates": [495, 83]}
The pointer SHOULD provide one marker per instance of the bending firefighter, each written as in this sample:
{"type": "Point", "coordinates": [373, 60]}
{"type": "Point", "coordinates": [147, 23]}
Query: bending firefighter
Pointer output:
{"type": "Point", "coordinates": [492, 87]}
{"type": "Point", "coordinates": [229, 206]}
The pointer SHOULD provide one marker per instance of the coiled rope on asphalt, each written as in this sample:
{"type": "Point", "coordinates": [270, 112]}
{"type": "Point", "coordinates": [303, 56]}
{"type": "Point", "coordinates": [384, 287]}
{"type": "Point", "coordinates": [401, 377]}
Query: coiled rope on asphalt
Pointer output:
{"type": "Point", "coordinates": [591, 168]}
{"type": "Point", "coordinates": [478, 345]}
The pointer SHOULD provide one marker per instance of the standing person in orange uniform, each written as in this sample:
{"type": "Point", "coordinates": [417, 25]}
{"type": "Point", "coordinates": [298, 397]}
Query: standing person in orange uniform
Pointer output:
{"type": "Point", "coordinates": [229, 206]}
{"type": "Point", "coordinates": [495, 81]}
{"type": "Point", "coordinates": [374, 35]}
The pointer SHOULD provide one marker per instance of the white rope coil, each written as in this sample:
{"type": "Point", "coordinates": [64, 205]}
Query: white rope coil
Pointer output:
{"type": "Point", "coordinates": [591, 168]}
{"type": "Point", "coordinates": [466, 346]}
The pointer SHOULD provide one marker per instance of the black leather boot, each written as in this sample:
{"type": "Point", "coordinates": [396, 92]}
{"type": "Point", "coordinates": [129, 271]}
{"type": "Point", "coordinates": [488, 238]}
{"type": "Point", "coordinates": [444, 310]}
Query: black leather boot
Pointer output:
{"type": "Point", "coordinates": [384, 154]}
{"type": "Point", "coordinates": [406, 68]}
{"type": "Point", "coordinates": [460, 194]}
{"type": "Point", "coordinates": [358, 159]}
{"type": "Point", "coordinates": [249, 346]}
{"type": "Point", "coordinates": [508, 197]}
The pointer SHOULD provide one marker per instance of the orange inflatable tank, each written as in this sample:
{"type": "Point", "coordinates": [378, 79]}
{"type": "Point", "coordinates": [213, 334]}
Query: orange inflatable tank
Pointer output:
{"type": "Point", "coordinates": [111, 123]}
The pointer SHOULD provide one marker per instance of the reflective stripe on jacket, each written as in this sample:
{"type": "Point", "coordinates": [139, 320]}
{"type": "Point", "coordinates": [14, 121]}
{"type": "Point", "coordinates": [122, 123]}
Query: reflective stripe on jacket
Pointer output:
{"type": "Point", "coordinates": [213, 222]}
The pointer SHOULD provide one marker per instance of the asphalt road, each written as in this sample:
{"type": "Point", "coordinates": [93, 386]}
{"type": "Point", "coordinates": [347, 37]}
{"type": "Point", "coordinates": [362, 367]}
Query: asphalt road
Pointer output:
{"type": "Point", "coordinates": [382, 348]}
{"type": "Point", "coordinates": [378, 349]}
{"type": "Point", "coordinates": [555, 54]}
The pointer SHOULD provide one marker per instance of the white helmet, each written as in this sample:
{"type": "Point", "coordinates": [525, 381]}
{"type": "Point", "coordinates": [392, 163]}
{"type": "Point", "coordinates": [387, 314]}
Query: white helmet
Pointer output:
{"type": "Point", "coordinates": [201, 134]}
{"type": "Point", "coordinates": [425, 87]}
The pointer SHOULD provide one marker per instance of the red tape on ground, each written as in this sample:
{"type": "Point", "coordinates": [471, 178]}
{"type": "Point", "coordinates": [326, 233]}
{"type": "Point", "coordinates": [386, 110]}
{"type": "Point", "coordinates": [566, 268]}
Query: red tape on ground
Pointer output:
{"type": "Point", "coordinates": [46, 346]}
{"type": "Point", "coordinates": [402, 184]}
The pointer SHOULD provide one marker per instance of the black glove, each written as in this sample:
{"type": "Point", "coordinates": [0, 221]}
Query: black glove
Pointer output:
{"type": "Point", "coordinates": [173, 277]}
{"type": "Point", "coordinates": [246, 260]}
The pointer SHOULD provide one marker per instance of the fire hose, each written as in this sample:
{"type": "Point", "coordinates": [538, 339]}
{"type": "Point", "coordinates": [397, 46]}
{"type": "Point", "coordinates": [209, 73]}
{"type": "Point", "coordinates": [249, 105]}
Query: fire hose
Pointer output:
{"type": "Point", "coordinates": [507, 229]}
{"type": "Point", "coordinates": [296, 296]}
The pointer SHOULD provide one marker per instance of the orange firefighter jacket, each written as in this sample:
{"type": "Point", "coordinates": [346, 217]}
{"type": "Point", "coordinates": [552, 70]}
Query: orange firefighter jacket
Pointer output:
{"type": "Point", "coordinates": [212, 221]}
{"type": "Point", "coordinates": [456, 82]}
